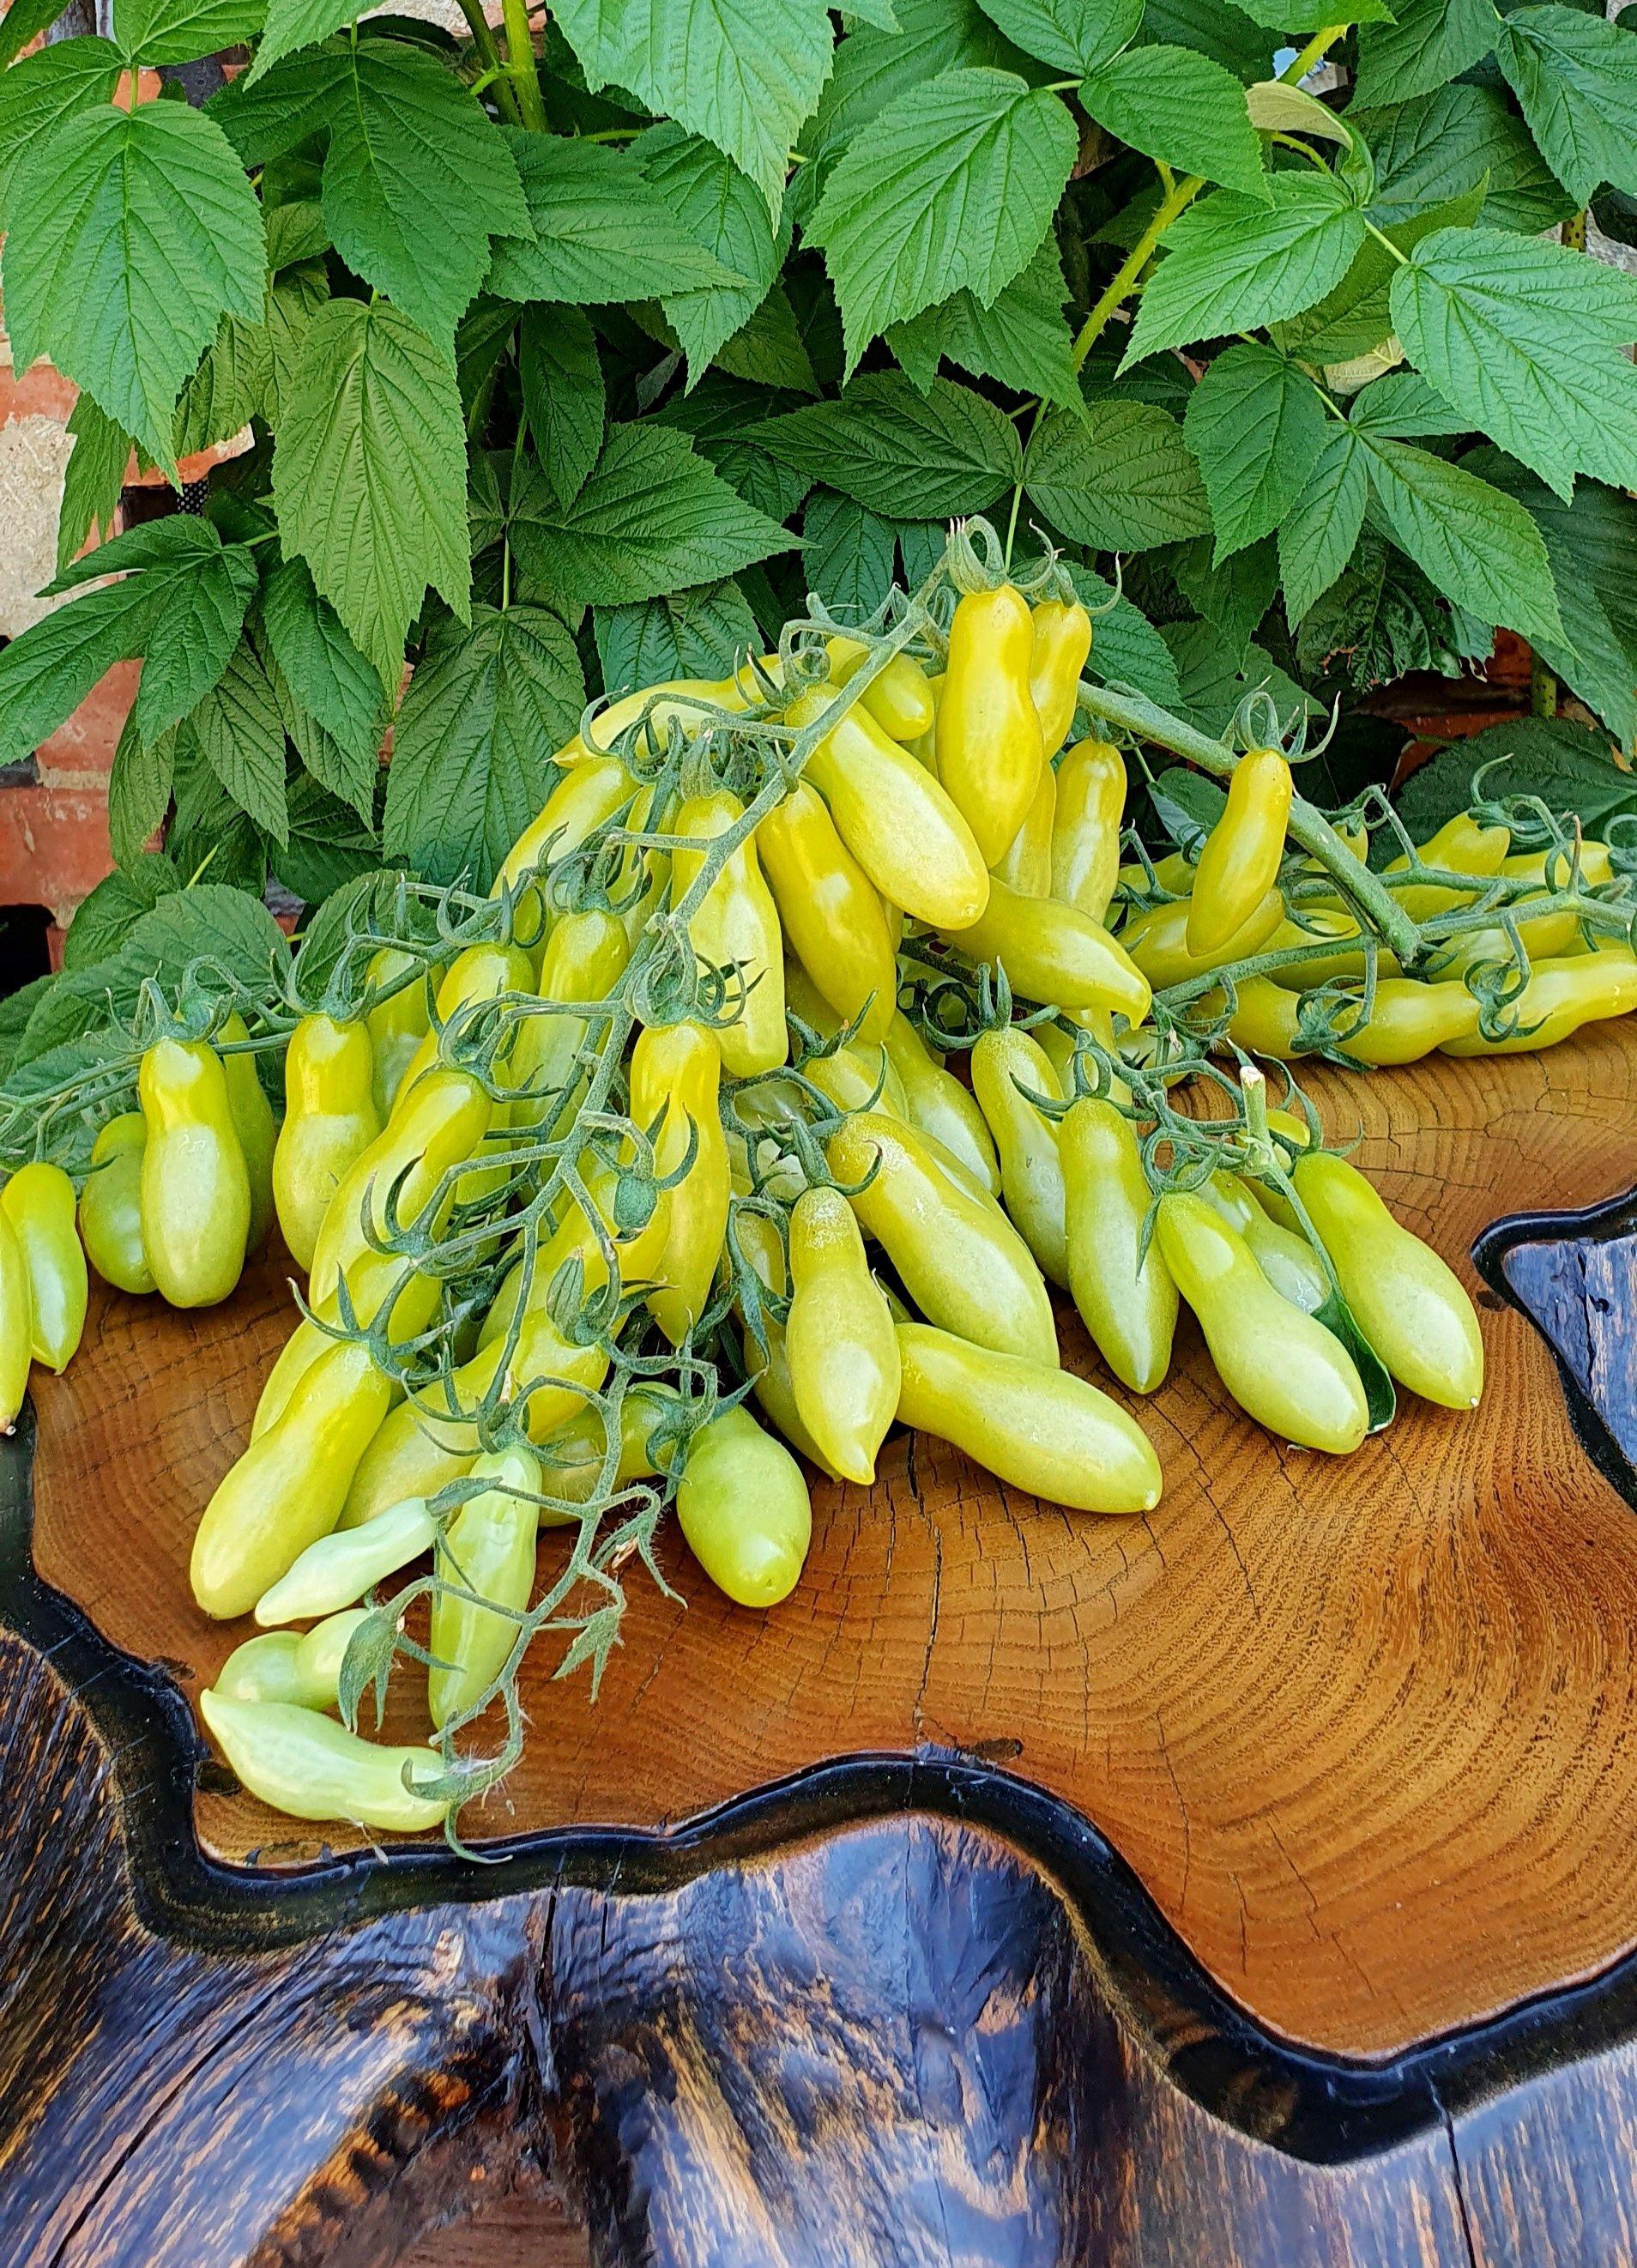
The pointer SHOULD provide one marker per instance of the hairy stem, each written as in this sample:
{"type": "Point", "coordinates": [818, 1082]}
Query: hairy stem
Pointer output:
{"type": "Point", "coordinates": [520, 62]}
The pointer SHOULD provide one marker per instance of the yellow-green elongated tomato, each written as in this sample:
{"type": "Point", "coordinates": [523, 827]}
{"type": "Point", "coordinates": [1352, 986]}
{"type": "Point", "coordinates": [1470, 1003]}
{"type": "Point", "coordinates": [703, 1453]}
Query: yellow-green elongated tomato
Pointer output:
{"type": "Point", "coordinates": [301, 1667]}
{"type": "Point", "coordinates": [1239, 864]}
{"type": "Point", "coordinates": [1281, 1367]}
{"type": "Point", "coordinates": [342, 1566]}
{"type": "Point", "coordinates": [195, 1185]}
{"type": "Point", "coordinates": [398, 1023]}
{"type": "Point", "coordinates": [1061, 639]}
{"type": "Point", "coordinates": [488, 1552]}
{"type": "Point", "coordinates": [1284, 1255]}
{"type": "Point", "coordinates": [38, 1202]}
{"type": "Point", "coordinates": [289, 1486]}
{"type": "Point", "coordinates": [330, 1121]}
{"type": "Point", "coordinates": [838, 1341]}
{"type": "Point", "coordinates": [898, 697]}
{"type": "Point", "coordinates": [1130, 1309]}
{"type": "Point", "coordinates": [110, 1206]}
{"type": "Point", "coordinates": [309, 1767]}
{"type": "Point", "coordinates": [1040, 1428]}
{"type": "Point", "coordinates": [963, 1263]}
{"type": "Point", "coordinates": [736, 929]}
{"type": "Point", "coordinates": [1054, 953]}
{"type": "Point", "coordinates": [1406, 1300]}
{"type": "Point", "coordinates": [744, 1508]}
{"type": "Point", "coordinates": [938, 1105]}
{"type": "Point", "coordinates": [257, 1130]}
{"type": "Point", "coordinates": [1006, 1068]}
{"type": "Point", "coordinates": [16, 1326]}
{"type": "Point", "coordinates": [989, 746]}
{"type": "Point", "coordinates": [1085, 826]}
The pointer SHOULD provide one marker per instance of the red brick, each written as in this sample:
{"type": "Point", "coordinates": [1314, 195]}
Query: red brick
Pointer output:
{"type": "Point", "coordinates": [53, 846]}
{"type": "Point", "coordinates": [80, 753]}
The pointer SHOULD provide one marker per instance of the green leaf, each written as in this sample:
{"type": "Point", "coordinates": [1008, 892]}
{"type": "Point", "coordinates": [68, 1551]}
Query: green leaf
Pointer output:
{"type": "Point", "coordinates": [1125, 647]}
{"type": "Point", "coordinates": [1357, 316]}
{"type": "Point", "coordinates": [413, 161]}
{"type": "Point", "coordinates": [1574, 75]}
{"type": "Point", "coordinates": [1439, 146]}
{"type": "Point", "coordinates": [726, 215]}
{"type": "Point", "coordinates": [602, 231]}
{"type": "Point", "coordinates": [1432, 43]}
{"type": "Point", "coordinates": [1320, 533]}
{"type": "Point", "coordinates": [1526, 340]}
{"type": "Point", "coordinates": [103, 920]}
{"type": "Point", "coordinates": [295, 233]}
{"type": "Point", "coordinates": [293, 299]}
{"type": "Point", "coordinates": [326, 673]}
{"type": "Point", "coordinates": [769, 350]}
{"type": "Point", "coordinates": [96, 475]}
{"type": "Point", "coordinates": [229, 388]}
{"type": "Point", "coordinates": [700, 633]}
{"type": "Point", "coordinates": [1571, 769]}
{"type": "Point", "coordinates": [1071, 36]}
{"type": "Point", "coordinates": [294, 102]}
{"type": "Point", "coordinates": [1227, 37]}
{"type": "Point", "coordinates": [328, 845]}
{"type": "Point", "coordinates": [1120, 479]}
{"type": "Point", "coordinates": [849, 554]}
{"type": "Point", "coordinates": [952, 189]}
{"type": "Point", "coordinates": [1175, 105]}
{"type": "Point", "coordinates": [472, 753]}
{"type": "Point", "coordinates": [1256, 424]}
{"type": "Point", "coordinates": [1022, 340]}
{"type": "Point", "coordinates": [1235, 263]}
{"type": "Point", "coordinates": [651, 518]}
{"type": "Point", "coordinates": [1234, 593]}
{"type": "Point", "coordinates": [239, 731]}
{"type": "Point", "coordinates": [295, 24]}
{"type": "Point", "coordinates": [36, 95]}
{"type": "Point", "coordinates": [193, 636]}
{"type": "Point", "coordinates": [368, 473]}
{"type": "Point", "coordinates": [139, 790]}
{"type": "Point", "coordinates": [131, 232]}
{"type": "Point", "coordinates": [900, 454]}
{"type": "Point", "coordinates": [873, 67]}
{"type": "Point", "coordinates": [563, 396]}
{"type": "Point", "coordinates": [1478, 547]}
{"type": "Point", "coordinates": [1402, 407]}
{"type": "Point", "coordinates": [744, 73]}
{"type": "Point", "coordinates": [724, 419]}
{"type": "Point", "coordinates": [1213, 685]}
{"type": "Point", "coordinates": [208, 921]}
{"type": "Point", "coordinates": [25, 20]}
{"type": "Point", "coordinates": [155, 31]}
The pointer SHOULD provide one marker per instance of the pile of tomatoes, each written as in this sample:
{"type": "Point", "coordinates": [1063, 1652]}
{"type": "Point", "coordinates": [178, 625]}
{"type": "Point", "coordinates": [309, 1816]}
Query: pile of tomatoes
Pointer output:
{"type": "Point", "coordinates": [661, 1191]}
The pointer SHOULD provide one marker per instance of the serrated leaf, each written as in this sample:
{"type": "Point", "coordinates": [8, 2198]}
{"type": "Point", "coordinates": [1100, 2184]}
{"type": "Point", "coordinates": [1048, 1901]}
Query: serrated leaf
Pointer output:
{"type": "Point", "coordinates": [471, 766]}
{"type": "Point", "coordinates": [130, 233]}
{"type": "Point", "coordinates": [1212, 686]}
{"type": "Point", "coordinates": [330, 680]}
{"type": "Point", "coordinates": [1277, 107]}
{"type": "Point", "coordinates": [1022, 340]}
{"type": "Point", "coordinates": [1221, 32]}
{"type": "Point", "coordinates": [1574, 75]}
{"type": "Point", "coordinates": [1525, 339]}
{"type": "Point", "coordinates": [849, 554]}
{"type": "Point", "coordinates": [1478, 547]}
{"type": "Point", "coordinates": [239, 730]}
{"type": "Point", "coordinates": [192, 636]}
{"type": "Point", "coordinates": [25, 20]}
{"type": "Point", "coordinates": [36, 95]}
{"type": "Point", "coordinates": [724, 419]}
{"type": "Point", "coordinates": [1431, 42]}
{"type": "Point", "coordinates": [1320, 533]}
{"type": "Point", "coordinates": [726, 215]}
{"type": "Point", "coordinates": [206, 922]}
{"type": "Point", "coordinates": [1119, 479]}
{"type": "Point", "coordinates": [295, 233]}
{"type": "Point", "coordinates": [1402, 407]}
{"type": "Point", "coordinates": [1440, 145]}
{"type": "Point", "coordinates": [1569, 766]}
{"type": "Point", "coordinates": [601, 230]}
{"type": "Point", "coordinates": [899, 453]}
{"type": "Point", "coordinates": [563, 396]}
{"type": "Point", "coordinates": [1175, 105]}
{"type": "Point", "coordinates": [1125, 647]}
{"type": "Point", "coordinates": [155, 31]}
{"type": "Point", "coordinates": [1071, 36]}
{"type": "Point", "coordinates": [872, 67]}
{"type": "Point", "coordinates": [769, 350]}
{"type": "Point", "coordinates": [1234, 593]}
{"type": "Point", "coordinates": [96, 475]}
{"type": "Point", "coordinates": [139, 789]}
{"type": "Point", "coordinates": [328, 845]}
{"type": "Point", "coordinates": [700, 633]}
{"type": "Point", "coordinates": [1235, 263]}
{"type": "Point", "coordinates": [104, 919]}
{"type": "Point", "coordinates": [1256, 424]}
{"type": "Point", "coordinates": [744, 73]}
{"type": "Point", "coordinates": [1357, 316]}
{"type": "Point", "coordinates": [368, 473]}
{"type": "Point", "coordinates": [651, 518]}
{"type": "Point", "coordinates": [952, 189]}
{"type": "Point", "coordinates": [295, 101]}
{"type": "Point", "coordinates": [294, 24]}
{"type": "Point", "coordinates": [415, 161]}
{"type": "Point", "coordinates": [228, 388]}
{"type": "Point", "coordinates": [293, 299]}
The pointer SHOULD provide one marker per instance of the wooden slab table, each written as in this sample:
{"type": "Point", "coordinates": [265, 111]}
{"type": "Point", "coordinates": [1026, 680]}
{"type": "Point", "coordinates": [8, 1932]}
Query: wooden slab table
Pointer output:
{"type": "Point", "coordinates": [1250, 1883]}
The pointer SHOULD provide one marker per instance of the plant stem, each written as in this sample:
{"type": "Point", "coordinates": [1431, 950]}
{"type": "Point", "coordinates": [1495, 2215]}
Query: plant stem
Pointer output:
{"type": "Point", "coordinates": [1309, 826]}
{"type": "Point", "coordinates": [1180, 194]}
{"type": "Point", "coordinates": [520, 60]}
{"type": "Point", "coordinates": [488, 53]}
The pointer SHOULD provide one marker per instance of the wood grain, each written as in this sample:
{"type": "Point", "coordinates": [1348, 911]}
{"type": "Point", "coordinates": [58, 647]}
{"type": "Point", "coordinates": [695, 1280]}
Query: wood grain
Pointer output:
{"type": "Point", "coordinates": [1359, 1728]}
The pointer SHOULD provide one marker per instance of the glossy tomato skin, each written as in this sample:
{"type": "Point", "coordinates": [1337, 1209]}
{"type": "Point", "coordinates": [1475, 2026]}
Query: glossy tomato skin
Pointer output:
{"type": "Point", "coordinates": [1156, 940]}
{"type": "Point", "coordinates": [1085, 826]}
{"type": "Point", "coordinates": [736, 926]}
{"type": "Point", "coordinates": [330, 1119]}
{"type": "Point", "coordinates": [1281, 1367]}
{"type": "Point", "coordinates": [898, 697]}
{"type": "Point", "coordinates": [1406, 1302]}
{"type": "Point", "coordinates": [1053, 953]}
{"type": "Point", "coordinates": [1560, 997]}
{"type": "Point", "coordinates": [110, 1206]}
{"type": "Point", "coordinates": [1032, 1425]}
{"type": "Point", "coordinates": [1008, 1067]}
{"type": "Point", "coordinates": [396, 1020]}
{"type": "Point", "coordinates": [195, 1196]}
{"type": "Point", "coordinates": [1126, 1300]}
{"type": "Point", "coordinates": [1061, 641]}
{"type": "Point", "coordinates": [300, 1667]}
{"type": "Point", "coordinates": [990, 745]}
{"type": "Point", "coordinates": [1239, 864]}
{"type": "Point", "coordinates": [585, 957]}
{"type": "Point", "coordinates": [17, 1325]}
{"type": "Point", "coordinates": [839, 1341]}
{"type": "Point", "coordinates": [676, 1077]}
{"type": "Point", "coordinates": [830, 911]}
{"type": "Point", "coordinates": [256, 1127]}
{"type": "Point", "coordinates": [38, 1202]}
{"type": "Point", "coordinates": [489, 1550]}
{"type": "Point", "coordinates": [937, 1103]}
{"type": "Point", "coordinates": [308, 1766]}
{"type": "Point", "coordinates": [1026, 865]}
{"type": "Point", "coordinates": [744, 1508]}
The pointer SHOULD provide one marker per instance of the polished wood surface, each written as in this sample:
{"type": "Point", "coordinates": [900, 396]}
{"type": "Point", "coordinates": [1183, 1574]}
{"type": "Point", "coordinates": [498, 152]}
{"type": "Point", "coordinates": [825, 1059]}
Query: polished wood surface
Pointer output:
{"type": "Point", "coordinates": [1361, 1728]}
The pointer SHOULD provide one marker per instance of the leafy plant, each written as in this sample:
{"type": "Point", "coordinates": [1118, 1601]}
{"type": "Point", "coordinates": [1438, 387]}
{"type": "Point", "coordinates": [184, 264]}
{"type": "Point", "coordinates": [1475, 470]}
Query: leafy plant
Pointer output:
{"type": "Point", "coordinates": [573, 354]}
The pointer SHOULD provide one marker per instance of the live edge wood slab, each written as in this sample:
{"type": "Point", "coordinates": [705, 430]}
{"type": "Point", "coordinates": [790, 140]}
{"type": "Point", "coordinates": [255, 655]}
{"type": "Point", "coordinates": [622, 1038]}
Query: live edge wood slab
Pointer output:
{"type": "Point", "coordinates": [1250, 1883]}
